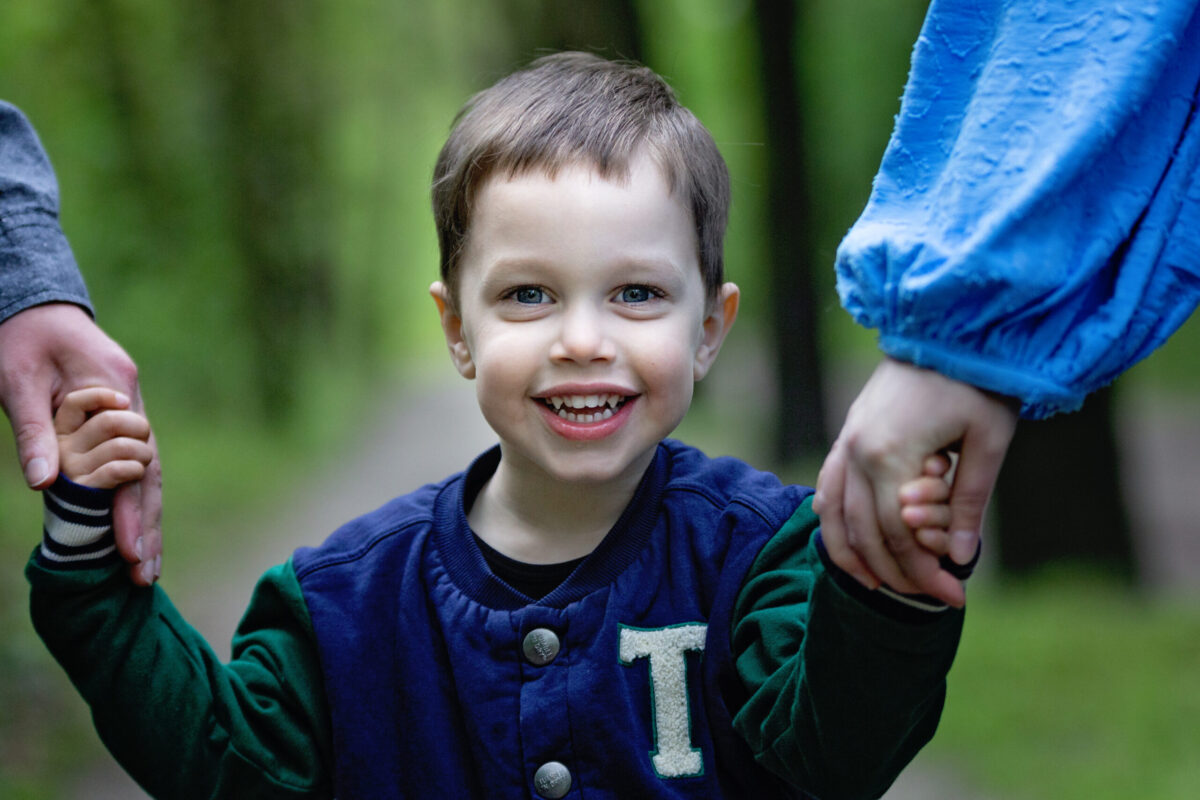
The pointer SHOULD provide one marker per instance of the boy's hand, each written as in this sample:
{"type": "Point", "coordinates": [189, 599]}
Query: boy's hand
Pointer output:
{"type": "Point", "coordinates": [101, 442]}
{"type": "Point", "coordinates": [925, 505]}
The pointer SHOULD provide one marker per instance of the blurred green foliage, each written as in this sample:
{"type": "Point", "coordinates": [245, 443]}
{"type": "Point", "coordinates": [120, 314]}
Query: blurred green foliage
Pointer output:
{"type": "Point", "coordinates": [1066, 688]}
{"type": "Point", "coordinates": [246, 190]}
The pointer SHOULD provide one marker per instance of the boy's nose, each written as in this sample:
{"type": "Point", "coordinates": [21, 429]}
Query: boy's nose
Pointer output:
{"type": "Point", "coordinates": [583, 337]}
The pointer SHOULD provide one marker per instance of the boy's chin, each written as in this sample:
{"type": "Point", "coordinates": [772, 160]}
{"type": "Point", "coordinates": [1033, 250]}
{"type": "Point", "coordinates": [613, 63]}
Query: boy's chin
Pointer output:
{"type": "Point", "coordinates": [596, 469]}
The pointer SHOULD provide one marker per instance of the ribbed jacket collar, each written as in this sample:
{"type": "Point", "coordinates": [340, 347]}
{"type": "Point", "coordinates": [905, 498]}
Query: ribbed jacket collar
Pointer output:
{"type": "Point", "coordinates": [620, 546]}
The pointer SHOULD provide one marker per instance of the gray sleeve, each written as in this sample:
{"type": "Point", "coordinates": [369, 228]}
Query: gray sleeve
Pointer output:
{"type": "Point", "coordinates": [36, 262]}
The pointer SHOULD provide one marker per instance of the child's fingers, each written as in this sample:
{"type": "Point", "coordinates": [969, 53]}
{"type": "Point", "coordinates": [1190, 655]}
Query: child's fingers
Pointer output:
{"type": "Point", "coordinates": [78, 405]}
{"type": "Point", "coordinates": [76, 463]}
{"type": "Point", "coordinates": [937, 465]}
{"type": "Point", "coordinates": [934, 515]}
{"type": "Point", "coordinates": [117, 448]}
{"type": "Point", "coordinates": [122, 449]}
{"type": "Point", "coordinates": [924, 491]}
{"type": "Point", "coordinates": [113, 474]}
{"type": "Point", "coordinates": [111, 425]}
{"type": "Point", "coordinates": [109, 448]}
{"type": "Point", "coordinates": [108, 465]}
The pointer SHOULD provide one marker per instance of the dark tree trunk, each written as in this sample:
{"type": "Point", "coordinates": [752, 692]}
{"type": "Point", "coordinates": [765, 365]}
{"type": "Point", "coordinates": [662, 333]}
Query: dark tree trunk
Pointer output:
{"type": "Point", "coordinates": [1058, 499]}
{"type": "Point", "coordinates": [607, 27]}
{"type": "Point", "coordinates": [801, 429]}
{"type": "Point", "coordinates": [275, 107]}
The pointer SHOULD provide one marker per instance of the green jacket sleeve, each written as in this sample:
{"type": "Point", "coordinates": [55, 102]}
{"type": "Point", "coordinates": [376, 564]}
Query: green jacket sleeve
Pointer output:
{"type": "Point", "coordinates": [180, 722]}
{"type": "Point", "coordinates": [845, 685]}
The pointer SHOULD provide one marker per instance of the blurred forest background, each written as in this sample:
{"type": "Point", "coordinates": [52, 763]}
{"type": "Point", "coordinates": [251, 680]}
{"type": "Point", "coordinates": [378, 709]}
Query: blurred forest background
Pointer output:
{"type": "Point", "coordinates": [245, 187]}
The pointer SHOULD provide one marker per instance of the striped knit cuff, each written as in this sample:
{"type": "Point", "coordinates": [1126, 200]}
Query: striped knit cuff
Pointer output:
{"type": "Point", "coordinates": [77, 532]}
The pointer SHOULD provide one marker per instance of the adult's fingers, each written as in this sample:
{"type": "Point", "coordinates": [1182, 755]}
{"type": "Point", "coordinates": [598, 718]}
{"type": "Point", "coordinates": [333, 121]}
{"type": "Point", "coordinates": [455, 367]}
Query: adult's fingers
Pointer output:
{"type": "Point", "coordinates": [935, 540]}
{"type": "Point", "coordinates": [944, 586]}
{"type": "Point", "coordinates": [127, 527]}
{"type": "Point", "coordinates": [49, 350]}
{"type": "Point", "coordinates": [850, 528]}
{"type": "Point", "coordinates": [28, 406]}
{"type": "Point", "coordinates": [45, 352]}
{"type": "Point", "coordinates": [829, 503]}
{"type": "Point", "coordinates": [137, 522]}
{"type": "Point", "coordinates": [862, 530]}
{"type": "Point", "coordinates": [152, 509]}
{"type": "Point", "coordinates": [880, 534]}
{"type": "Point", "coordinates": [923, 572]}
{"type": "Point", "coordinates": [880, 462]}
{"type": "Point", "coordinates": [137, 515]}
{"type": "Point", "coordinates": [983, 450]}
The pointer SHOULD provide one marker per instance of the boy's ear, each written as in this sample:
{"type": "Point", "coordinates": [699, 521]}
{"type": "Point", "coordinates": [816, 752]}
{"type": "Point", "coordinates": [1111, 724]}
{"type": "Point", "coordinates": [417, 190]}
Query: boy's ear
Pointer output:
{"type": "Point", "coordinates": [460, 353]}
{"type": "Point", "coordinates": [716, 325]}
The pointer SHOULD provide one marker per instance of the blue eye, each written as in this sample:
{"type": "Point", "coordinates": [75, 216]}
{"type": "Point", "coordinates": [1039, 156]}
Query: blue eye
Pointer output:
{"type": "Point", "coordinates": [530, 295]}
{"type": "Point", "coordinates": [637, 294]}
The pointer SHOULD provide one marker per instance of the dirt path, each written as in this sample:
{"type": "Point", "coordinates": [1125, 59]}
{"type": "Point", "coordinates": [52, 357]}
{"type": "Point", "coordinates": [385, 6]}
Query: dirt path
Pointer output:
{"type": "Point", "coordinates": [426, 430]}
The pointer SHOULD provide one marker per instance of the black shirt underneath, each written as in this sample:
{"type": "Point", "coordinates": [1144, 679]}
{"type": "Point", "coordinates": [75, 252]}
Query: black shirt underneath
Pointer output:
{"type": "Point", "coordinates": [531, 580]}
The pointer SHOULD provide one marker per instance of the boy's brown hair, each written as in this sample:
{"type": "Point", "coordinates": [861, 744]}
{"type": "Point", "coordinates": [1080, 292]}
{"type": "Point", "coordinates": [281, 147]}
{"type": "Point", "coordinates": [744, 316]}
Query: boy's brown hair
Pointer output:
{"type": "Point", "coordinates": [572, 108]}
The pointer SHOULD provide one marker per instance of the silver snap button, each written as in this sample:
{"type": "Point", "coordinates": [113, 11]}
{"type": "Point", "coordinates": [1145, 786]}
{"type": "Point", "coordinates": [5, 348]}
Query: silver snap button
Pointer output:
{"type": "Point", "coordinates": [552, 780]}
{"type": "Point", "coordinates": [540, 646]}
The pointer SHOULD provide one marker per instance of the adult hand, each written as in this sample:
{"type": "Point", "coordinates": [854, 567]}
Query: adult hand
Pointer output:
{"type": "Point", "coordinates": [46, 352]}
{"type": "Point", "coordinates": [902, 416]}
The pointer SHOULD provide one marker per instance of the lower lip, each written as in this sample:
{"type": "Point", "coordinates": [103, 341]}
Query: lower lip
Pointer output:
{"type": "Point", "coordinates": [586, 431]}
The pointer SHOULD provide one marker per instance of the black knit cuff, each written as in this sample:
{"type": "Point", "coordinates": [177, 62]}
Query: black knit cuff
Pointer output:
{"type": "Point", "coordinates": [914, 608]}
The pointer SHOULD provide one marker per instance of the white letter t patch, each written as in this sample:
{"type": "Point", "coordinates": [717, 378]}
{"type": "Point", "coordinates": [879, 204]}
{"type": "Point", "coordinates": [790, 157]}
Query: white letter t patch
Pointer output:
{"type": "Point", "coordinates": [665, 648]}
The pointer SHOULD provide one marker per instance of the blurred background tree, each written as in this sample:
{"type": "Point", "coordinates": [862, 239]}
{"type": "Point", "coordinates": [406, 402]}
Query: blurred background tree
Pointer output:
{"type": "Point", "coordinates": [246, 189]}
{"type": "Point", "coordinates": [800, 426]}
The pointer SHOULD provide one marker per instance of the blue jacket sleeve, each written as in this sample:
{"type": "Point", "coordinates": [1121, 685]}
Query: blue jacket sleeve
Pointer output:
{"type": "Point", "coordinates": [1034, 228]}
{"type": "Point", "coordinates": [36, 263]}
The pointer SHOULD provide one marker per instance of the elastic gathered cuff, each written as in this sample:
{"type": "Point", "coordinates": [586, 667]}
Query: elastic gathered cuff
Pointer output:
{"type": "Point", "coordinates": [1040, 396]}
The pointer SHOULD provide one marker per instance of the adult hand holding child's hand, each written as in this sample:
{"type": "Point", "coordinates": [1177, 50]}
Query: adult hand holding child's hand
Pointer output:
{"type": "Point", "coordinates": [902, 416]}
{"type": "Point", "coordinates": [45, 352]}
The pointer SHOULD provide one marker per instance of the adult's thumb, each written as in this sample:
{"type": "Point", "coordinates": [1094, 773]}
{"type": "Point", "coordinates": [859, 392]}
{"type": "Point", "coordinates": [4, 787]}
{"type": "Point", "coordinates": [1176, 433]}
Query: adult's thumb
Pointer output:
{"type": "Point", "coordinates": [33, 428]}
{"type": "Point", "coordinates": [974, 478]}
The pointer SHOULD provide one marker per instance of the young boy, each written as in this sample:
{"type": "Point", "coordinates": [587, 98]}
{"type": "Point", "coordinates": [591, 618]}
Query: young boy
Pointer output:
{"type": "Point", "coordinates": [589, 610]}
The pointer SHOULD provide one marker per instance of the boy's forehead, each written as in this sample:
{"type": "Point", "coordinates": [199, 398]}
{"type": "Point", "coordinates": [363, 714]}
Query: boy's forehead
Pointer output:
{"type": "Point", "coordinates": [580, 216]}
{"type": "Point", "coordinates": [642, 181]}
{"type": "Point", "coordinates": [581, 194]}
{"type": "Point", "coordinates": [617, 172]}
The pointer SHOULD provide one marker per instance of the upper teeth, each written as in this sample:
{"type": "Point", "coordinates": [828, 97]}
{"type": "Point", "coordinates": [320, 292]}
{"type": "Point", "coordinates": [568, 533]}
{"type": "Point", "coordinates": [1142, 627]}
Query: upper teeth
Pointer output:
{"type": "Point", "coordinates": [586, 400]}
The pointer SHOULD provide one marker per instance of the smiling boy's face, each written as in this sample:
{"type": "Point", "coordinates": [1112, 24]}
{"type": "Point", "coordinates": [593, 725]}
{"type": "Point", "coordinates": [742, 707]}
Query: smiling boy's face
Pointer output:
{"type": "Point", "coordinates": [581, 315]}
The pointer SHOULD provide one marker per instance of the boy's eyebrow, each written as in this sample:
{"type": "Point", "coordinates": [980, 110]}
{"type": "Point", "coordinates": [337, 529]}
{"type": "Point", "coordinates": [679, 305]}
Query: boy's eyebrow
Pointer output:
{"type": "Point", "coordinates": [534, 264]}
{"type": "Point", "coordinates": [517, 263]}
{"type": "Point", "coordinates": [654, 264]}
{"type": "Point", "coordinates": [503, 273]}
{"type": "Point", "coordinates": [505, 270]}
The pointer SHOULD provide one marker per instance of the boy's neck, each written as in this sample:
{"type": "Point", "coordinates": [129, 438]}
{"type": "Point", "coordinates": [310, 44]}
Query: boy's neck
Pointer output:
{"type": "Point", "coordinates": [547, 522]}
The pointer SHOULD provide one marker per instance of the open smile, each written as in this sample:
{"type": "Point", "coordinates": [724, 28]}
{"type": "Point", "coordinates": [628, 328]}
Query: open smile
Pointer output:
{"type": "Point", "coordinates": [586, 417]}
{"type": "Point", "coordinates": [585, 408]}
